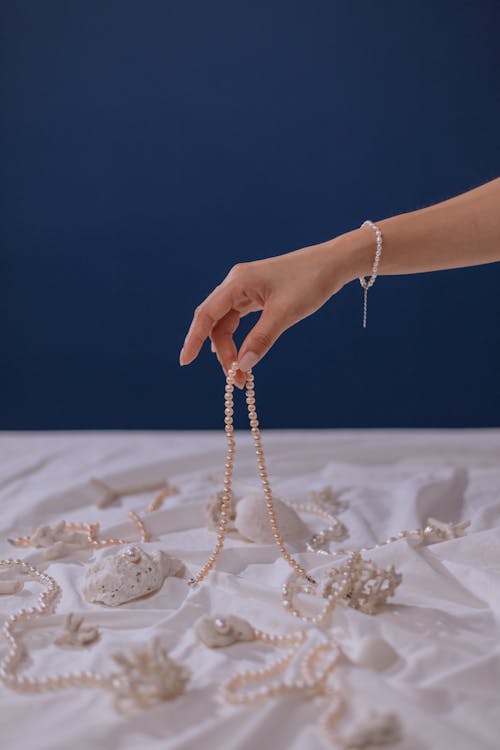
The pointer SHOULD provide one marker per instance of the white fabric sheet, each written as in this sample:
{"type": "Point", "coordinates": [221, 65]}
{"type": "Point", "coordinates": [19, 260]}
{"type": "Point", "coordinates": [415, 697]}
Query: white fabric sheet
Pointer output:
{"type": "Point", "coordinates": [443, 621]}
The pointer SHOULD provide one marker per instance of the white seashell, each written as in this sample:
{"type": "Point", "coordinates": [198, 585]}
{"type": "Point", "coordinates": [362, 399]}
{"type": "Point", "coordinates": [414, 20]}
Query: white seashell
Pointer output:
{"type": "Point", "coordinates": [128, 574]}
{"type": "Point", "coordinates": [217, 631]}
{"type": "Point", "coordinates": [372, 652]}
{"type": "Point", "coordinates": [252, 520]}
{"type": "Point", "coordinates": [10, 587]}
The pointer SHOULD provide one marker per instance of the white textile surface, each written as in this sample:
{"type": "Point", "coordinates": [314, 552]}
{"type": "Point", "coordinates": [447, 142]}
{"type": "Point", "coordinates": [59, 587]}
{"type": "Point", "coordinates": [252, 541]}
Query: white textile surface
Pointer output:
{"type": "Point", "coordinates": [443, 621]}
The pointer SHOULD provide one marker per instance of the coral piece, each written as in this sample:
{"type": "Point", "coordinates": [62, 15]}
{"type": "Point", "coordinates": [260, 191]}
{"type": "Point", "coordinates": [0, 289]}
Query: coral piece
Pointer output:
{"type": "Point", "coordinates": [213, 508]}
{"type": "Point", "coordinates": [360, 584]}
{"type": "Point", "coordinates": [439, 531]}
{"type": "Point", "coordinates": [57, 541]}
{"type": "Point", "coordinates": [128, 574]}
{"type": "Point", "coordinates": [148, 677]}
{"type": "Point", "coordinates": [252, 520]}
{"type": "Point", "coordinates": [327, 499]}
{"type": "Point", "coordinates": [109, 494]}
{"type": "Point", "coordinates": [375, 729]}
{"type": "Point", "coordinates": [73, 635]}
{"type": "Point", "coordinates": [218, 631]}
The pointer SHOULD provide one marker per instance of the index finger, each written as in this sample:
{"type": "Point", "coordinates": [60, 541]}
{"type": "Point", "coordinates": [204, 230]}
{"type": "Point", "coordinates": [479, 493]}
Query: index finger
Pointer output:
{"type": "Point", "coordinates": [206, 315]}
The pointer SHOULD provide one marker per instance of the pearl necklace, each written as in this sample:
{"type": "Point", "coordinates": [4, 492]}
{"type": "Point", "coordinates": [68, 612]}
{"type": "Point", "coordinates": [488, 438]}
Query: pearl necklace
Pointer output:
{"type": "Point", "coordinates": [45, 606]}
{"type": "Point", "coordinates": [312, 682]}
{"type": "Point", "coordinates": [144, 679]}
{"type": "Point", "coordinates": [334, 531]}
{"type": "Point", "coordinates": [358, 583]}
{"type": "Point", "coordinates": [92, 529]}
{"type": "Point", "coordinates": [234, 629]}
{"type": "Point", "coordinates": [228, 474]}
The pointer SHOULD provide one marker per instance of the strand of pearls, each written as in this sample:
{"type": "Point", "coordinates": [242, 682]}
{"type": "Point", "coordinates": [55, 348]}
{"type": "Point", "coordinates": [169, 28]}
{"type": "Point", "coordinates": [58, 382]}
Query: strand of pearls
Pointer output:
{"type": "Point", "coordinates": [157, 502]}
{"type": "Point", "coordinates": [146, 676]}
{"type": "Point", "coordinates": [92, 529]}
{"type": "Point", "coordinates": [335, 529]}
{"type": "Point", "coordinates": [110, 495]}
{"type": "Point", "coordinates": [433, 531]}
{"type": "Point", "coordinates": [290, 588]}
{"type": "Point", "coordinates": [358, 583]}
{"type": "Point", "coordinates": [312, 681]}
{"type": "Point", "coordinates": [371, 281]}
{"type": "Point", "coordinates": [281, 639]}
{"type": "Point", "coordinates": [228, 474]}
{"type": "Point", "coordinates": [11, 661]}
{"type": "Point", "coordinates": [232, 690]}
{"type": "Point", "coordinates": [144, 533]}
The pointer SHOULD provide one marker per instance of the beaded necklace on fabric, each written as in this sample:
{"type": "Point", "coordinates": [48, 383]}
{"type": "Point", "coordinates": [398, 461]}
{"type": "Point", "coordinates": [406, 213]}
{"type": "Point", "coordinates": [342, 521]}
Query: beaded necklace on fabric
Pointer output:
{"type": "Point", "coordinates": [144, 678]}
{"type": "Point", "coordinates": [92, 529]}
{"type": "Point", "coordinates": [228, 475]}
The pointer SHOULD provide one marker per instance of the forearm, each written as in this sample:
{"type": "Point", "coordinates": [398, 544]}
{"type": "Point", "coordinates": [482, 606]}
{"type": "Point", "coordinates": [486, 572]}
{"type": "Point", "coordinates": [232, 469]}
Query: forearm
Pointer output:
{"type": "Point", "coordinates": [462, 231]}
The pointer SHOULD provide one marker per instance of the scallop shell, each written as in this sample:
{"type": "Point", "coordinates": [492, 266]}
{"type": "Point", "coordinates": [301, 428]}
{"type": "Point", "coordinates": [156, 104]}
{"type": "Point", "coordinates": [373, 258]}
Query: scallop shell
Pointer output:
{"type": "Point", "coordinates": [128, 574]}
{"type": "Point", "coordinates": [252, 520]}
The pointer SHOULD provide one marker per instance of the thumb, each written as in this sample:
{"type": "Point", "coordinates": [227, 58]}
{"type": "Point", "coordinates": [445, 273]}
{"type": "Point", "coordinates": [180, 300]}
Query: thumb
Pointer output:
{"type": "Point", "coordinates": [260, 339]}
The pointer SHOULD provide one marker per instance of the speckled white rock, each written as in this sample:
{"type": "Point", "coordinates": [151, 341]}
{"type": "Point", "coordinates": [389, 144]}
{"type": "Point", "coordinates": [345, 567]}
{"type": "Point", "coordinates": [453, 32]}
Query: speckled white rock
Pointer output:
{"type": "Point", "coordinates": [216, 631]}
{"type": "Point", "coordinates": [252, 520]}
{"type": "Point", "coordinates": [128, 574]}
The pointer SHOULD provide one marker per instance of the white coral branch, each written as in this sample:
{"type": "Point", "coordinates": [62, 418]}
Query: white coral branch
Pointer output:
{"type": "Point", "coordinates": [148, 677]}
{"type": "Point", "coordinates": [74, 635]}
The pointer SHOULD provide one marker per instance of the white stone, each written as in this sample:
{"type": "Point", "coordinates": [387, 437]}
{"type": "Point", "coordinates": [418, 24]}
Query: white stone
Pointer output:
{"type": "Point", "coordinates": [10, 587]}
{"type": "Point", "coordinates": [252, 520]}
{"type": "Point", "coordinates": [371, 652]}
{"type": "Point", "coordinates": [128, 573]}
{"type": "Point", "coordinates": [217, 631]}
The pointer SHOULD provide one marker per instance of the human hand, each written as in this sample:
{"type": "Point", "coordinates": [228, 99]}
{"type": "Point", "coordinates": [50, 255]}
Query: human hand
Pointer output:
{"type": "Point", "coordinates": [286, 288]}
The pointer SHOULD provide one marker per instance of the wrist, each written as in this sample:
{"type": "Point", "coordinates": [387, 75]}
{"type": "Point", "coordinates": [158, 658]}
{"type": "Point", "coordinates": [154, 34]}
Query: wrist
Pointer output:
{"type": "Point", "coordinates": [351, 254]}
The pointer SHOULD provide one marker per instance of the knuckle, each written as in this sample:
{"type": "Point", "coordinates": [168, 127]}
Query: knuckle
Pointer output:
{"type": "Point", "coordinates": [238, 270]}
{"type": "Point", "coordinates": [202, 315]}
{"type": "Point", "coordinates": [262, 339]}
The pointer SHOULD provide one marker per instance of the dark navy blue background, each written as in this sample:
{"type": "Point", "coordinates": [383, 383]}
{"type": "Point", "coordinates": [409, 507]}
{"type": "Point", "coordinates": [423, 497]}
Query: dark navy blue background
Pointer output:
{"type": "Point", "coordinates": [146, 147]}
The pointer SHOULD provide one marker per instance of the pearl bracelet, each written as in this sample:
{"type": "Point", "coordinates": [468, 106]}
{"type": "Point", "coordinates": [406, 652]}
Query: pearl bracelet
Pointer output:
{"type": "Point", "coordinates": [367, 284]}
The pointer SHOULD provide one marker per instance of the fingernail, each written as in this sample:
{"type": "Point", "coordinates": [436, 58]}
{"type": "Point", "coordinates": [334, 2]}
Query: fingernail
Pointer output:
{"type": "Point", "coordinates": [248, 360]}
{"type": "Point", "coordinates": [212, 347]}
{"type": "Point", "coordinates": [180, 356]}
